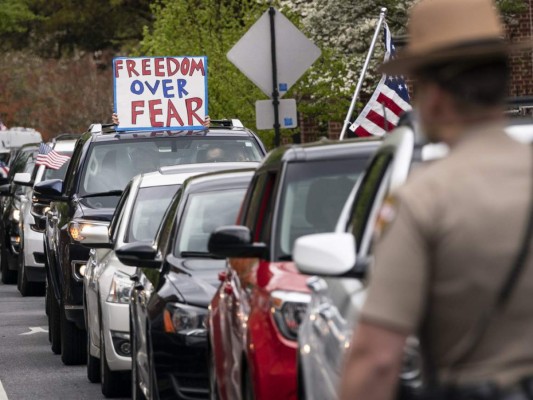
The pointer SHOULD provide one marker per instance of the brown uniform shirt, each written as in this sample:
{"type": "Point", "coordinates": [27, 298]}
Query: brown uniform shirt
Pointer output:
{"type": "Point", "coordinates": [439, 264]}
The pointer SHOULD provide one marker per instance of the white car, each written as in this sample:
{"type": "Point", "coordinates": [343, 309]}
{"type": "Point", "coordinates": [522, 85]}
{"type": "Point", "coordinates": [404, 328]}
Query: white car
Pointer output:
{"type": "Point", "coordinates": [32, 274]}
{"type": "Point", "coordinates": [107, 282]}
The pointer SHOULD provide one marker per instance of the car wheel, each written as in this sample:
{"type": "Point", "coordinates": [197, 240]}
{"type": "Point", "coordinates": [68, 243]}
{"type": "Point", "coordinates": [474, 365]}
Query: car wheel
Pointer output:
{"type": "Point", "coordinates": [247, 386]}
{"type": "Point", "coordinates": [54, 322]}
{"type": "Point", "coordinates": [73, 342]}
{"type": "Point", "coordinates": [47, 300]}
{"type": "Point", "coordinates": [25, 287]}
{"type": "Point", "coordinates": [93, 363]}
{"type": "Point", "coordinates": [111, 380]}
{"type": "Point", "coordinates": [136, 392]}
{"type": "Point", "coordinates": [8, 276]}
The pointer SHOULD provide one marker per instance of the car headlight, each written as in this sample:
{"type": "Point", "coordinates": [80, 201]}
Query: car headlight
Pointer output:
{"type": "Point", "coordinates": [185, 319]}
{"type": "Point", "coordinates": [15, 215]}
{"type": "Point", "coordinates": [39, 210]}
{"type": "Point", "coordinates": [77, 229]}
{"type": "Point", "coordinates": [120, 289]}
{"type": "Point", "coordinates": [288, 310]}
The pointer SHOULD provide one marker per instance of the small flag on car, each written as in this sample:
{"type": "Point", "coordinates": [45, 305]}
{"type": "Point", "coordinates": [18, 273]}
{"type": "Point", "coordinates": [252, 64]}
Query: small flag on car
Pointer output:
{"type": "Point", "coordinates": [389, 101]}
{"type": "Point", "coordinates": [50, 158]}
{"type": "Point", "coordinates": [4, 170]}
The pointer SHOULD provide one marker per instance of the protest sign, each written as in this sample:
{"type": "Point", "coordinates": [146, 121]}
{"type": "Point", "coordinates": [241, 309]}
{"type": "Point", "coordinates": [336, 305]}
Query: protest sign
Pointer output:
{"type": "Point", "coordinates": [157, 93]}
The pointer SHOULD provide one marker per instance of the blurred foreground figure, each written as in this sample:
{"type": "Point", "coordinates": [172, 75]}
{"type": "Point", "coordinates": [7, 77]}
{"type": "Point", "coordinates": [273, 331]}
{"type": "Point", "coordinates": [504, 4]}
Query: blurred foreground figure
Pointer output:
{"type": "Point", "coordinates": [449, 240]}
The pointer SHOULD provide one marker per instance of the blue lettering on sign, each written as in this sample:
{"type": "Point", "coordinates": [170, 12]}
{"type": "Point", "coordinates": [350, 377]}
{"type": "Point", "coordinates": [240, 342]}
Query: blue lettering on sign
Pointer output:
{"type": "Point", "coordinates": [137, 87]}
{"type": "Point", "coordinates": [154, 88]}
{"type": "Point", "coordinates": [167, 88]}
{"type": "Point", "coordinates": [282, 87]}
{"type": "Point", "coordinates": [287, 121]}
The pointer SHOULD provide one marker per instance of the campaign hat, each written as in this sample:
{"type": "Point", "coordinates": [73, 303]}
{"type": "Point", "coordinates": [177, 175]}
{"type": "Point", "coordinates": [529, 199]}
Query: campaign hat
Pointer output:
{"type": "Point", "coordinates": [443, 31]}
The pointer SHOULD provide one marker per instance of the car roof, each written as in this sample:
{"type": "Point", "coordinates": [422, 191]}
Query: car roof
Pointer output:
{"type": "Point", "coordinates": [64, 145]}
{"type": "Point", "coordinates": [219, 180]}
{"type": "Point", "coordinates": [177, 174]}
{"type": "Point", "coordinates": [323, 150]}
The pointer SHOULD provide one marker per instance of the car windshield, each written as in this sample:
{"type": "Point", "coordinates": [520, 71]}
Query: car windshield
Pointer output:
{"type": "Point", "coordinates": [312, 199]}
{"type": "Point", "coordinates": [111, 165]}
{"type": "Point", "coordinates": [150, 205]}
{"type": "Point", "coordinates": [204, 212]}
{"type": "Point", "coordinates": [57, 173]}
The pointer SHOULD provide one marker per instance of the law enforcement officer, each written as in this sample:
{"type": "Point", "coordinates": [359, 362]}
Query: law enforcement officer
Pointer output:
{"type": "Point", "coordinates": [451, 233]}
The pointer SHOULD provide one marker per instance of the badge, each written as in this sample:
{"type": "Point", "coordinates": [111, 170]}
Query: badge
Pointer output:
{"type": "Point", "coordinates": [386, 215]}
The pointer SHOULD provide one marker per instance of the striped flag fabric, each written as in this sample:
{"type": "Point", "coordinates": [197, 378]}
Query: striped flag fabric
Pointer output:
{"type": "Point", "coordinates": [50, 158]}
{"type": "Point", "coordinates": [390, 99]}
{"type": "Point", "coordinates": [4, 170]}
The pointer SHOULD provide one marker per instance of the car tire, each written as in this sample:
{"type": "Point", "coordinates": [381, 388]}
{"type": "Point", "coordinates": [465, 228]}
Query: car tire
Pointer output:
{"type": "Point", "coordinates": [136, 392]}
{"type": "Point", "coordinates": [47, 299]}
{"type": "Point", "coordinates": [93, 363]}
{"type": "Point", "coordinates": [300, 379]}
{"type": "Point", "coordinates": [246, 384]}
{"type": "Point", "coordinates": [73, 342]}
{"type": "Point", "coordinates": [8, 276]}
{"type": "Point", "coordinates": [110, 380]}
{"type": "Point", "coordinates": [25, 287]}
{"type": "Point", "coordinates": [54, 320]}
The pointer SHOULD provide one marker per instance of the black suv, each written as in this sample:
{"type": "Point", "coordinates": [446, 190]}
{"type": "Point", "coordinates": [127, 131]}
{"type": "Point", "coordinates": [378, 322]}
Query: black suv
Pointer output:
{"type": "Point", "coordinates": [102, 164]}
{"type": "Point", "coordinates": [13, 196]}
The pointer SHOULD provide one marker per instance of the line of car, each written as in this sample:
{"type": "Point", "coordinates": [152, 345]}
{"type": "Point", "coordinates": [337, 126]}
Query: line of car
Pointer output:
{"type": "Point", "coordinates": [174, 277]}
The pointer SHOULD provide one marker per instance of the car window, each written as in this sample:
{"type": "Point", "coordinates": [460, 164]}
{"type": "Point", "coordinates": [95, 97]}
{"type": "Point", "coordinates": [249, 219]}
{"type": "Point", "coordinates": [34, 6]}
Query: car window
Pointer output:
{"type": "Point", "coordinates": [119, 211]}
{"type": "Point", "coordinates": [203, 213]}
{"type": "Point", "coordinates": [312, 198]}
{"type": "Point", "coordinates": [148, 210]}
{"type": "Point", "coordinates": [364, 200]}
{"type": "Point", "coordinates": [258, 194]}
{"type": "Point", "coordinates": [73, 164]}
{"type": "Point", "coordinates": [57, 173]}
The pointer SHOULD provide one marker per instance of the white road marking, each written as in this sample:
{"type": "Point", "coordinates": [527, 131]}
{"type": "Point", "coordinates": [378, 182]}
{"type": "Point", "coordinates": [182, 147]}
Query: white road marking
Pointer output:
{"type": "Point", "coordinates": [3, 394]}
{"type": "Point", "coordinates": [33, 329]}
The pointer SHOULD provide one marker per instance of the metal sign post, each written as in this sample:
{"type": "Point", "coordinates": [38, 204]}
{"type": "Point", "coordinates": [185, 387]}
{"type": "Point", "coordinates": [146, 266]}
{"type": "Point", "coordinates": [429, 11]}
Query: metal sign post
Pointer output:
{"type": "Point", "coordinates": [275, 92]}
{"type": "Point", "coordinates": [363, 72]}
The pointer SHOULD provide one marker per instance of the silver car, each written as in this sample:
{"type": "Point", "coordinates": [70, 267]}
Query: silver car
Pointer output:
{"type": "Point", "coordinates": [32, 276]}
{"type": "Point", "coordinates": [106, 280]}
{"type": "Point", "coordinates": [325, 333]}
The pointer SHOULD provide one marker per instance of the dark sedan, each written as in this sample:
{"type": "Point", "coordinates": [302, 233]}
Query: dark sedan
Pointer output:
{"type": "Point", "coordinates": [175, 283]}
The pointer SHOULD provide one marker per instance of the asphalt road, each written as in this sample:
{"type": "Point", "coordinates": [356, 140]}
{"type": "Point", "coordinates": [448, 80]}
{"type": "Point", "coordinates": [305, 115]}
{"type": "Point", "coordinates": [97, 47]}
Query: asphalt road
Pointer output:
{"type": "Point", "coordinates": [28, 368]}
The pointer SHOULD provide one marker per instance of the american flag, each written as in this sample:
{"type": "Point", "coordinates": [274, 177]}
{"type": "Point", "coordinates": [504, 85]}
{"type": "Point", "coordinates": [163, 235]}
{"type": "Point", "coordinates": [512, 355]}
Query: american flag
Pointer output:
{"type": "Point", "coordinates": [2, 126]}
{"type": "Point", "coordinates": [50, 158]}
{"type": "Point", "coordinates": [4, 170]}
{"type": "Point", "coordinates": [389, 101]}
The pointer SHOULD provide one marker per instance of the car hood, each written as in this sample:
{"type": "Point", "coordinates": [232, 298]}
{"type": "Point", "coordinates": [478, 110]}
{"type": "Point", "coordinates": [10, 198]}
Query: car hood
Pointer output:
{"type": "Point", "coordinates": [196, 279]}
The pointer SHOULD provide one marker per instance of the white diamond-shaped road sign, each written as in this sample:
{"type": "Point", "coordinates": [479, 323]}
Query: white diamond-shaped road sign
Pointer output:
{"type": "Point", "coordinates": [295, 53]}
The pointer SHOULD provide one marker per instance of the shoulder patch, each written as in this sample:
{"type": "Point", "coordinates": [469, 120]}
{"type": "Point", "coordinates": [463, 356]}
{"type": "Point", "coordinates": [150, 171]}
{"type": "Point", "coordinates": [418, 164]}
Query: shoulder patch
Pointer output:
{"type": "Point", "coordinates": [386, 215]}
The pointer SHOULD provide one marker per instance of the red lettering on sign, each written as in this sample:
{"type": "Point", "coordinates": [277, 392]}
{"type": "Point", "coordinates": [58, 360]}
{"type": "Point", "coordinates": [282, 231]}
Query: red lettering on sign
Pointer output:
{"type": "Point", "coordinates": [197, 66]}
{"type": "Point", "coordinates": [155, 112]}
{"type": "Point", "coordinates": [173, 66]}
{"type": "Point", "coordinates": [130, 66]}
{"type": "Point", "coordinates": [134, 110]}
{"type": "Point", "coordinates": [192, 105]}
{"type": "Point", "coordinates": [146, 66]}
{"type": "Point", "coordinates": [118, 67]}
{"type": "Point", "coordinates": [159, 67]}
{"type": "Point", "coordinates": [173, 115]}
{"type": "Point", "coordinates": [185, 64]}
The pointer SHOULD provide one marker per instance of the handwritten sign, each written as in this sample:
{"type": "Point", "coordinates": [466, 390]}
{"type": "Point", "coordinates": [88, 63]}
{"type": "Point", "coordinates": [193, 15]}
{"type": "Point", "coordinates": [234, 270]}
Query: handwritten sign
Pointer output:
{"type": "Point", "coordinates": [154, 93]}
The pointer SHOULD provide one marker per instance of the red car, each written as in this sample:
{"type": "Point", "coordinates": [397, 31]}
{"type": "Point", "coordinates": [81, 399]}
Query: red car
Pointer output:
{"type": "Point", "coordinates": [254, 316]}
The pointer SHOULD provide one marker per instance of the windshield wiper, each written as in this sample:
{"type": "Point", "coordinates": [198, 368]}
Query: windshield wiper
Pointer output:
{"type": "Point", "coordinates": [201, 254]}
{"type": "Point", "coordinates": [103, 194]}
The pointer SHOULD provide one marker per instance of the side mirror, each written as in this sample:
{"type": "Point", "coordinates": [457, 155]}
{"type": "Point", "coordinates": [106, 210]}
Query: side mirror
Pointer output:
{"type": "Point", "coordinates": [49, 190]}
{"type": "Point", "coordinates": [96, 235]}
{"type": "Point", "coordinates": [23, 179]}
{"type": "Point", "coordinates": [325, 254]}
{"type": "Point", "coordinates": [5, 190]}
{"type": "Point", "coordinates": [235, 241]}
{"type": "Point", "coordinates": [138, 254]}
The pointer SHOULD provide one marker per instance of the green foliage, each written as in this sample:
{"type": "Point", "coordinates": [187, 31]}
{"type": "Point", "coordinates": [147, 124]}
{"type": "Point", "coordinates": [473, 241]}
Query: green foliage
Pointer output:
{"type": "Point", "coordinates": [211, 28]}
{"type": "Point", "coordinates": [14, 16]}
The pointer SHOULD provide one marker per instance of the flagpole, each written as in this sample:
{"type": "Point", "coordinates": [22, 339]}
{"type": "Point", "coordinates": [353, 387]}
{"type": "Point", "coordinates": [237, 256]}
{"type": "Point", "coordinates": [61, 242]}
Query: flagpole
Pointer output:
{"type": "Point", "coordinates": [363, 72]}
